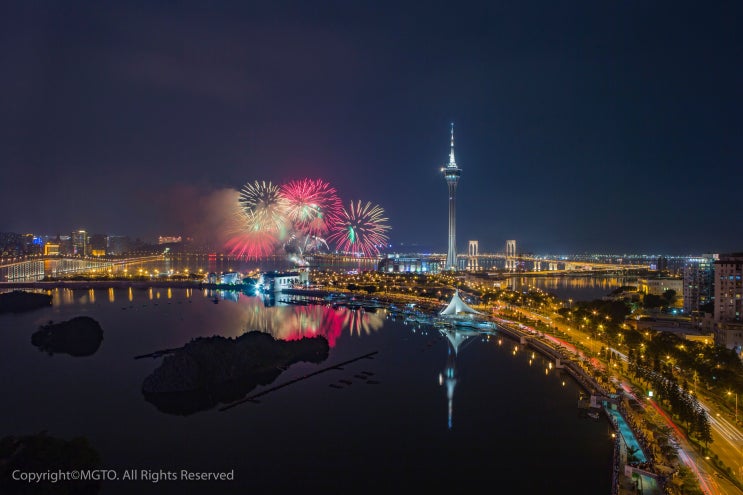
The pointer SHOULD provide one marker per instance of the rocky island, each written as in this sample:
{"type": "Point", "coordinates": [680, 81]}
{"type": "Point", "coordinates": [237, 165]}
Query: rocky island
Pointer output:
{"type": "Point", "coordinates": [19, 301]}
{"type": "Point", "coordinates": [210, 370]}
{"type": "Point", "coordinates": [80, 336]}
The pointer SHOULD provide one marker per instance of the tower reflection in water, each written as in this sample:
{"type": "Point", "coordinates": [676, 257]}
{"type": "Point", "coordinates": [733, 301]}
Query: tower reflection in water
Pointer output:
{"type": "Point", "coordinates": [458, 339]}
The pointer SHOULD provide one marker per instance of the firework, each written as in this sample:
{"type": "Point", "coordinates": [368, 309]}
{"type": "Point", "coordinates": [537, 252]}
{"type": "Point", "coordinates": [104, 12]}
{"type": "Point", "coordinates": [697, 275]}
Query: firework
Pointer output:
{"type": "Point", "coordinates": [257, 221]}
{"type": "Point", "coordinates": [252, 244]}
{"type": "Point", "coordinates": [264, 208]}
{"type": "Point", "coordinates": [312, 206]}
{"type": "Point", "coordinates": [303, 216]}
{"type": "Point", "coordinates": [361, 229]}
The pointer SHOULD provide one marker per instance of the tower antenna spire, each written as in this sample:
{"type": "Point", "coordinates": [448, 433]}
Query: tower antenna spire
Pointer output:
{"type": "Point", "coordinates": [452, 161]}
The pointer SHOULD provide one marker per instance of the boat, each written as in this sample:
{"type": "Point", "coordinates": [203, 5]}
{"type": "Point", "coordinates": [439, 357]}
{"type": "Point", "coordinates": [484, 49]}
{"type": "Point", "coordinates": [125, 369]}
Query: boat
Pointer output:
{"type": "Point", "coordinates": [441, 323]}
{"type": "Point", "coordinates": [594, 414]}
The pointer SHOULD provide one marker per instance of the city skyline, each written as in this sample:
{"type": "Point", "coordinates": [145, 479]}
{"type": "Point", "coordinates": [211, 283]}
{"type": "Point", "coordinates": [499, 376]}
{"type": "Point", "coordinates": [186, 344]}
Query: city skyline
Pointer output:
{"type": "Point", "coordinates": [579, 128]}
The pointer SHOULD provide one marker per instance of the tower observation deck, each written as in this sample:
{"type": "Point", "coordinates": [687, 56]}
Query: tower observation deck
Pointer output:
{"type": "Point", "coordinates": [451, 173]}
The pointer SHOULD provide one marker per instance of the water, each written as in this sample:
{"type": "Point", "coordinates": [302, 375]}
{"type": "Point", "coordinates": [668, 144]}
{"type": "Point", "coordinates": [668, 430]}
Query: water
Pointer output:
{"type": "Point", "coordinates": [417, 414]}
{"type": "Point", "coordinates": [577, 287]}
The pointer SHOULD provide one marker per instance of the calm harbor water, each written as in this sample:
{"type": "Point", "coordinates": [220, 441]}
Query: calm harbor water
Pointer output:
{"type": "Point", "coordinates": [577, 288]}
{"type": "Point", "coordinates": [417, 412]}
{"type": "Point", "coordinates": [580, 287]}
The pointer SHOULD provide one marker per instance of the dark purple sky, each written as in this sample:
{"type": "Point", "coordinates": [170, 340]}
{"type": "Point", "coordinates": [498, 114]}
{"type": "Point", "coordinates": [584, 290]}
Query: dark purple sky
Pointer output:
{"type": "Point", "coordinates": [580, 126]}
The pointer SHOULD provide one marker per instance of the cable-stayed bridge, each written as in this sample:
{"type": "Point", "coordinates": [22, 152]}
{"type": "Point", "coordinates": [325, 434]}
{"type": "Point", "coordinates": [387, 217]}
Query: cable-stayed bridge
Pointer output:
{"type": "Point", "coordinates": [532, 263]}
{"type": "Point", "coordinates": [33, 268]}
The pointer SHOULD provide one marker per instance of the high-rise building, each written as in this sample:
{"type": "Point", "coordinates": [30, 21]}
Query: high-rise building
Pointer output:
{"type": "Point", "coordinates": [699, 274]}
{"type": "Point", "coordinates": [80, 243]}
{"type": "Point", "coordinates": [728, 316]}
{"type": "Point", "coordinates": [451, 174]}
{"type": "Point", "coordinates": [662, 264]}
{"type": "Point", "coordinates": [118, 244]}
{"type": "Point", "coordinates": [98, 245]}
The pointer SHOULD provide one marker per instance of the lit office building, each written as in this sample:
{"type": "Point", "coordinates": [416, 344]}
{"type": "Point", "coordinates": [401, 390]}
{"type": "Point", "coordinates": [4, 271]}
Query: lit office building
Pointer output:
{"type": "Point", "coordinates": [80, 243]}
{"type": "Point", "coordinates": [729, 301]}
{"type": "Point", "coordinates": [699, 274]}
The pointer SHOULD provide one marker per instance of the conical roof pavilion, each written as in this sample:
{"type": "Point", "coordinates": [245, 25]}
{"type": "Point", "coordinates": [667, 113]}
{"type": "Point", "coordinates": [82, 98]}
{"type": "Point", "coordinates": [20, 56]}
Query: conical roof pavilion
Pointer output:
{"type": "Point", "coordinates": [457, 306]}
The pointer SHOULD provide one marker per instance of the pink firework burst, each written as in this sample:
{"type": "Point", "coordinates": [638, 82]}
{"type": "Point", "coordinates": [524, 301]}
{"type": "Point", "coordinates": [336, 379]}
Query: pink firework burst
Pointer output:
{"type": "Point", "coordinates": [312, 205]}
{"type": "Point", "coordinates": [361, 230]}
{"type": "Point", "coordinates": [252, 244]}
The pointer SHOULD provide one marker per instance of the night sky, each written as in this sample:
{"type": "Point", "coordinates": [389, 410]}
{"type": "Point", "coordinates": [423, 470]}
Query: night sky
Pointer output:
{"type": "Point", "coordinates": [595, 126]}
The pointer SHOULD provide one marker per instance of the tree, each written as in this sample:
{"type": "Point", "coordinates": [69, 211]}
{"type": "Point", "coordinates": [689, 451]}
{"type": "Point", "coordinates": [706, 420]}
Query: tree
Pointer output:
{"type": "Point", "coordinates": [652, 301]}
{"type": "Point", "coordinates": [703, 428]}
{"type": "Point", "coordinates": [669, 296]}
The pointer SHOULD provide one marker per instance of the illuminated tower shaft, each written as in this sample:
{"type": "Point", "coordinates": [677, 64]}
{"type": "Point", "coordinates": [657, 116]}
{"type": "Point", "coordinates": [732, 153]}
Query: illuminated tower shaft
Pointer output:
{"type": "Point", "coordinates": [451, 174]}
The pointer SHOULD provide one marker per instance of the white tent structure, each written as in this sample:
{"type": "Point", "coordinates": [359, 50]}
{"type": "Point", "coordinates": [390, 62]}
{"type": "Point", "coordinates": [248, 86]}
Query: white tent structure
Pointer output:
{"type": "Point", "coordinates": [457, 307]}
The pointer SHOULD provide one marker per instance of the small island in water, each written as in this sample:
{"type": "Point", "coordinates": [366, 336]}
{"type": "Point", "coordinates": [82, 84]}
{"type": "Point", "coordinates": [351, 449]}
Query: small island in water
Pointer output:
{"type": "Point", "coordinates": [80, 336]}
{"type": "Point", "coordinates": [210, 370]}
{"type": "Point", "coordinates": [19, 301]}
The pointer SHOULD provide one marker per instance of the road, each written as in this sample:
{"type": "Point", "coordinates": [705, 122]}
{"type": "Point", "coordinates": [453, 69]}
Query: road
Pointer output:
{"type": "Point", "coordinates": [727, 442]}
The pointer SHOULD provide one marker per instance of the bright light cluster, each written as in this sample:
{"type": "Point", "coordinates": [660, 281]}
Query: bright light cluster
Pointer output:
{"type": "Point", "coordinates": [301, 216]}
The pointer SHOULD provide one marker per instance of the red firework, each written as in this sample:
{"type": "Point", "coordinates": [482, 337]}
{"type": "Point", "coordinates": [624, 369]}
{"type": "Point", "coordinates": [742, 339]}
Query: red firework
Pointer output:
{"type": "Point", "coordinates": [313, 205]}
{"type": "Point", "coordinates": [252, 244]}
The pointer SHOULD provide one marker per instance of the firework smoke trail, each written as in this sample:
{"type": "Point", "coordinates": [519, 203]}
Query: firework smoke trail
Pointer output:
{"type": "Point", "coordinates": [361, 229]}
{"type": "Point", "coordinates": [312, 205]}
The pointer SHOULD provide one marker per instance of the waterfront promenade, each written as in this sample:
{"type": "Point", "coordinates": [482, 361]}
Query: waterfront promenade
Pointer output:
{"type": "Point", "coordinates": [627, 479]}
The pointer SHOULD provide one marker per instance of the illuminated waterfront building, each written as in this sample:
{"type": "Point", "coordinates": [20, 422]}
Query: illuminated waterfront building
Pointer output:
{"type": "Point", "coordinates": [451, 173]}
{"type": "Point", "coordinates": [659, 285]}
{"type": "Point", "coordinates": [409, 263]}
{"type": "Point", "coordinates": [51, 249]}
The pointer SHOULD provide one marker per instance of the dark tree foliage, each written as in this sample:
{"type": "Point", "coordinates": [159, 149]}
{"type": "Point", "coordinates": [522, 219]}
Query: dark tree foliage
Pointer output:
{"type": "Point", "coordinates": [653, 301]}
